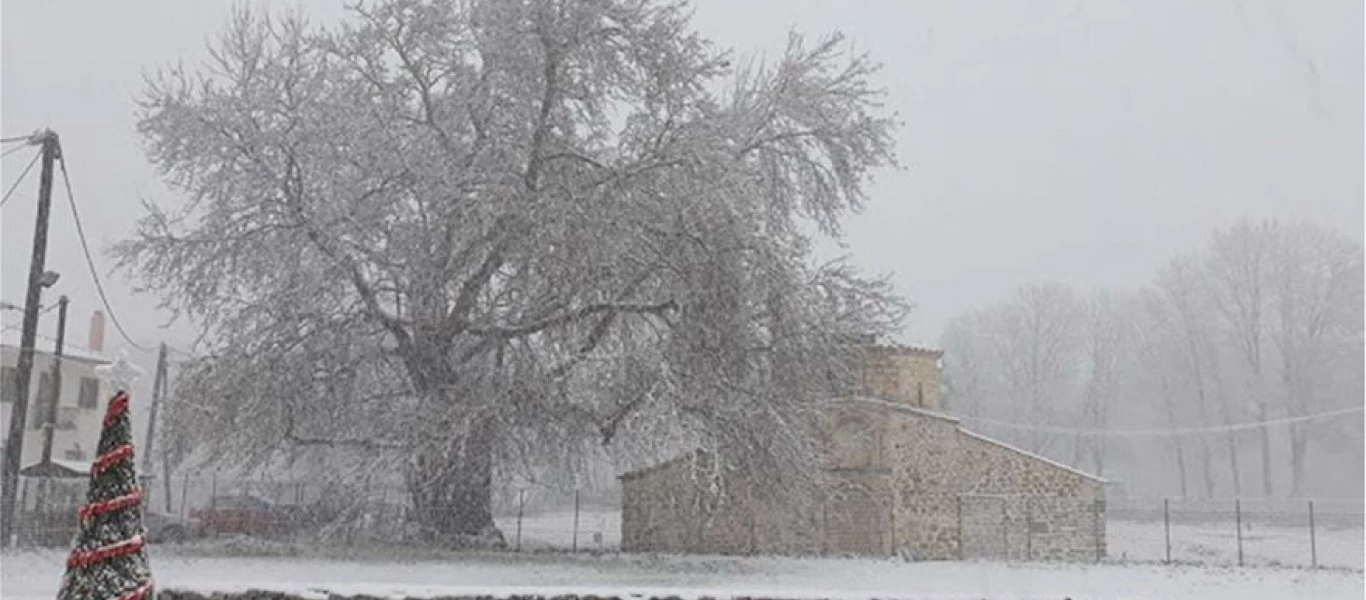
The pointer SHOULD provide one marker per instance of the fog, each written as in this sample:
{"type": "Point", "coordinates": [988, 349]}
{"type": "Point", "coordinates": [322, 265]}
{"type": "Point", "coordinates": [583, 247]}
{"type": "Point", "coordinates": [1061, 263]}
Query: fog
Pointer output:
{"type": "Point", "coordinates": [1084, 142]}
{"type": "Point", "coordinates": [1078, 144]}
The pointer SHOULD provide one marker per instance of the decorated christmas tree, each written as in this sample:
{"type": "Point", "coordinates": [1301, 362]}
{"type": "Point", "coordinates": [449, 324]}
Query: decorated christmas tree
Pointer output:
{"type": "Point", "coordinates": [108, 560]}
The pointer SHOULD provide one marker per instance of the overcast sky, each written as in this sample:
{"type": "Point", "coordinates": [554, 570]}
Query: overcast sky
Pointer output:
{"type": "Point", "coordinates": [1068, 140]}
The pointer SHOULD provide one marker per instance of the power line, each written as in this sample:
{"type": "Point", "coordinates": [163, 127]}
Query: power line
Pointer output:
{"type": "Point", "coordinates": [41, 312]}
{"type": "Point", "coordinates": [16, 138]}
{"type": "Point", "coordinates": [90, 261]}
{"type": "Point", "coordinates": [10, 191]}
{"type": "Point", "coordinates": [13, 150]}
{"type": "Point", "coordinates": [1169, 432]}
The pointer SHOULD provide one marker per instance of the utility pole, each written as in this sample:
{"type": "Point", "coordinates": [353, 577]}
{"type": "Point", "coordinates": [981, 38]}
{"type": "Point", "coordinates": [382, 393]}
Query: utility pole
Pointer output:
{"type": "Point", "coordinates": [54, 398]}
{"type": "Point", "coordinates": [14, 442]}
{"type": "Point", "coordinates": [158, 389]}
{"type": "Point", "coordinates": [50, 419]}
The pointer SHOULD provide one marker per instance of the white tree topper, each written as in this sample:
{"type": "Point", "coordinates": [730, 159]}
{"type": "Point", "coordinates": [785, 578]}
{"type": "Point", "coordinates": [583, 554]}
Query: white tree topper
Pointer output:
{"type": "Point", "coordinates": [121, 374]}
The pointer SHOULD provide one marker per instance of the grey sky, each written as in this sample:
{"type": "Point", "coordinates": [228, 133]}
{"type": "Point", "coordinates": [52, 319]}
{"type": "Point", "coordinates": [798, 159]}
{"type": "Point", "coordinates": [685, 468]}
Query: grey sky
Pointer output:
{"type": "Point", "coordinates": [1078, 141]}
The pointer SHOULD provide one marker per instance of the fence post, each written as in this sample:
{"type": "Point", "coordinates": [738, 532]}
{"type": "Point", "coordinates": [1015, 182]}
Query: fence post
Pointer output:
{"type": "Point", "coordinates": [299, 492]}
{"type": "Point", "coordinates": [1005, 530]}
{"type": "Point", "coordinates": [1313, 543]}
{"type": "Point", "coordinates": [1238, 518]}
{"type": "Point", "coordinates": [825, 527]}
{"type": "Point", "coordinates": [962, 536]}
{"type": "Point", "coordinates": [1167, 526]}
{"type": "Point", "coordinates": [574, 544]}
{"type": "Point", "coordinates": [521, 504]}
{"type": "Point", "coordinates": [184, 492]}
{"type": "Point", "coordinates": [213, 490]}
{"type": "Point", "coordinates": [1097, 517]}
{"type": "Point", "coordinates": [891, 528]}
{"type": "Point", "coordinates": [22, 507]}
{"type": "Point", "coordinates": [752, 527]}
{"type": "Point", "coordinates": [1029, 530]}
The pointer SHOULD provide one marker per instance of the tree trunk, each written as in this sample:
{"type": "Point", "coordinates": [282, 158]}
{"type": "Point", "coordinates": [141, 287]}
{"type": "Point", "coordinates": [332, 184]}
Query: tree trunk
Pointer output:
{"type": "Point", "coordinates": [452, 488]}
{"type": "Point", "coordinates": [1266, 451]}
{"type": "Point", "coordinates": [1207, 467]}
{"type": "Point", "coordinates": [1181, 465]}
{"type": "Point", "coordinates": [1206, 458]}
{"type": "Point", "coordinates": [1233, 465]}
{"type": "Point", "coordinates": [1168, 403]}
{"type": "Point", "coordinates": [1299, 447]}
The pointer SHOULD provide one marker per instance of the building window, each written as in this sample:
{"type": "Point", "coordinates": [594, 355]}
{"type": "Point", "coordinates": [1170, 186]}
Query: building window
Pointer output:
{"type": "Point", "coordinates": [9, 384]}
{"type": "Point", "coordinates": [39, 407]}
{"type": "Point", "coordinates": [90, 393]}
{"type": "Point", "coordinates": [74, 453]}
{"type": "Point", "coordinates": [66, 418]}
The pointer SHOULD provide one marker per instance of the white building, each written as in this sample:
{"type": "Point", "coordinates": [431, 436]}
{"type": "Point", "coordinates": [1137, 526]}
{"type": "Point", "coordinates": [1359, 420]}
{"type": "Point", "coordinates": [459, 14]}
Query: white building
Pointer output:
{"type": "Point", "coordinates": [80, 408]}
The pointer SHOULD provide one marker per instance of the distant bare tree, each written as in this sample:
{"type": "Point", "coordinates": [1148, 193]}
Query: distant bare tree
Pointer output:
{"type": "Point", "coordinates": [1106, 339]}
{"type": "Point", "coordinates": [1185, 296]}
{"type": "Point", "coordinates": [1316, 286]}
{"type": "Point", "coordinates": [1238, 265]}
{"type": "Point", "coordinates": [465, 232]}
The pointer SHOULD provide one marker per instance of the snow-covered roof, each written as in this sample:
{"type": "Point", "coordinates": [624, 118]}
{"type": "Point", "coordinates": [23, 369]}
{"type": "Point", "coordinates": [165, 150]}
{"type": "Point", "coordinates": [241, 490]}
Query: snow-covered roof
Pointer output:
{"type": "Point", "coordinates": [57, 468]}
{"type": "Point", "coordinates": [44, 347]}
{"type": "Point", "coordinates": [895, 406]}
{"type": "Point", "coordinates": [1031, 455]}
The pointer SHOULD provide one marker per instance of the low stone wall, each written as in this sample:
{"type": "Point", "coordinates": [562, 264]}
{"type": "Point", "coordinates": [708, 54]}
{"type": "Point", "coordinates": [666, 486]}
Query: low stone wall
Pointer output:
{"type": "Point", "coordinates": [269, 595]}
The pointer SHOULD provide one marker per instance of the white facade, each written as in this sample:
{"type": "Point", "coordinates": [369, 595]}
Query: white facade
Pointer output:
{"type": "Point", "coordinates": [80, 408]}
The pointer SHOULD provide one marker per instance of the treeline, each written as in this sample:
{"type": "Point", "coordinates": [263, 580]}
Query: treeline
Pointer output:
{"type": "Point", "coordinates": [1235, 372]}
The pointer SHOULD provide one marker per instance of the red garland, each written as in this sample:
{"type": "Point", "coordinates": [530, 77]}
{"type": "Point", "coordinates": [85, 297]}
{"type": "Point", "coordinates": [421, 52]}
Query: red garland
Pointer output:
{"type": "Point", "coordinates": [111, 505]}
{"type": "Point", "coordinates": [110, 458]}
{"type": "Point", "coordinates": [80, 560]}
{"type": "Point", "coordinates": [141, 593]}
{"type": "Point", "coordinates": [117, 406]}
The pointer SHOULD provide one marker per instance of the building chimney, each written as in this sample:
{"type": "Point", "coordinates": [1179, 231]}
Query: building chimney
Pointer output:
{"type": "Point", "coordinates": [96, 332]}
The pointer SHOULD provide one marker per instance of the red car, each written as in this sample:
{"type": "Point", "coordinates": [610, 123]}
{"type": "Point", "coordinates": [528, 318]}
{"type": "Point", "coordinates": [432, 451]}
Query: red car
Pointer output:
{"type": "Point", "coordinates": [247, 515]}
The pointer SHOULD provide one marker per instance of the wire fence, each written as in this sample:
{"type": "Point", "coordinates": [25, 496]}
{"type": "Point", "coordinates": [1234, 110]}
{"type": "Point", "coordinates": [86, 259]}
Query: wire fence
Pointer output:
{"type": "Point", "coordinates": [1320, 533]}
{"type": "Point", "coordinates": [202, 509]}
{"type": "Point", "coordinates": [1242, 532]}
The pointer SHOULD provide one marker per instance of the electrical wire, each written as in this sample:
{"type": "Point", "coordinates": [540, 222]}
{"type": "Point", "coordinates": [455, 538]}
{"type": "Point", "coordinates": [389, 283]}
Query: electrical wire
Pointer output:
{"type": "Point", "coordinates": [21, 323]}
{"type": "Point", "coordinates": [90, 261]}
{"type": "Point", "coordinates": [11, 189]}
{"type": "Point", "coordinates": [16, 138]}
{"type": "Point", "coordinates": [13, 150]}
{"type": "Point", "coordinates": [1168, 432]}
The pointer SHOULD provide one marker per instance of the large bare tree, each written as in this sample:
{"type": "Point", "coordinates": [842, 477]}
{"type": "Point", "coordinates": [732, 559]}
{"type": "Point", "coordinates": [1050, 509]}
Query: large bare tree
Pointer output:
{"type": "Point", "coordinates": [468, 231]}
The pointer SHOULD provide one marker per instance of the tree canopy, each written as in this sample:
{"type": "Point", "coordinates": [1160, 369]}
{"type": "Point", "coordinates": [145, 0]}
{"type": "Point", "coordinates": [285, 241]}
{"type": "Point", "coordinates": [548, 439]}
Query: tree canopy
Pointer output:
{"type": "Point", "coordinates": [471, 230]}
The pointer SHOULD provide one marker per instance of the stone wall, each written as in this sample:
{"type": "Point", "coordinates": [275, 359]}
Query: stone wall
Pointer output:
{"type": "Point", "coordinates": [962, 495]}
{"type": "Point", "coordinates": [675, 508]}
{"type": "Point", "coordinates": [178, 594]}
{"type": "Point", "coordinates": [902, 480]}
{"type": "Point", "coordinates": [909, 376]}
{"type": "Point", "coordinates": [1053, 512]}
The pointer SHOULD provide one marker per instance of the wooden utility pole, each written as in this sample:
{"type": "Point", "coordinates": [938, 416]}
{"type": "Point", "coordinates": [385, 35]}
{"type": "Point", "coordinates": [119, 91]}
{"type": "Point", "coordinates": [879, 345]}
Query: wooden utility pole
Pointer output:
{"type": "Point", "coordinates": [14, 442]}
{"type": "Point", "coordinates": [50, 419]}
{"type": "Point", "coordinates": [158, 390]}
{"type": "Point", "coordinates": [50, 403]}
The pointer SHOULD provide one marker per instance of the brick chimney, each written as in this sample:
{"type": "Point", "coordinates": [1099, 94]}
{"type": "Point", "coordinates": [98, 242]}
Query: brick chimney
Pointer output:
{"type": "Point", "coordinates": [96, 332]}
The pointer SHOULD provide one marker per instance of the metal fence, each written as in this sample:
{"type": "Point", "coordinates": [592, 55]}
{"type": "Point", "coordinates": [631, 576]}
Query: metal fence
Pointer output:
{"type": "Point", "coordinates": [1320, 533]}
{"type": "Point", "coordinates": [1245, 531]}
{"type": "Point", "coordinates": [204, 508]}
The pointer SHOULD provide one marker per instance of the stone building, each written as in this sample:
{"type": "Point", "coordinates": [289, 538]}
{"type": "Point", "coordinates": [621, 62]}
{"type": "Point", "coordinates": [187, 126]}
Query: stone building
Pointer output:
{"type": "Point", "coordinates": [901, 477]}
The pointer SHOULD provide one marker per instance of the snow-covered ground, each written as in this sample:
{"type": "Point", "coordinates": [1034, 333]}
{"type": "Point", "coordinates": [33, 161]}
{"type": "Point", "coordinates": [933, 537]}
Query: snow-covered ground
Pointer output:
{"type": "Point", "coordinates": [31, 576]}
{"type": "Point", "coordinates": [1212, 544]}
{"type": "Point", "coordinates": [597, 530]}
{"type": "Point", "coordinates": [1217, 544]}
